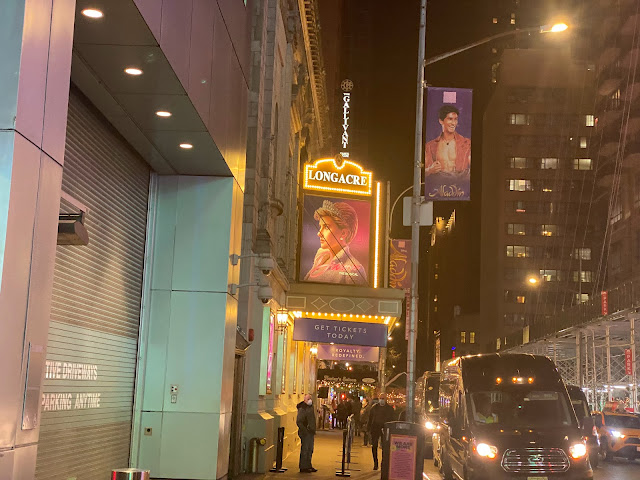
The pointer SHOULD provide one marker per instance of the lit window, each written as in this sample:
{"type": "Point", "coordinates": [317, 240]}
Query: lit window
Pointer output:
{"type": "Point", "coordinates": [472, 337]}
{"type": "Point", "coordinates": [463, 337]}
{"type": "Point", "coordinates": [435, 276]}
{"type": "Point", "coordinates": [518, 251]}
{"type": "Point", "coordinates": [583, 142]}
{"type": "Point", "coordinates": [583, 276]}
{"type": "Point", "coordinates": [582, 164]}
{"type": "Point", "coordinates": [550, 275]}
{"type": "Point", "coordinates": [582, 297]}
{"type": "Point", "coordinates": [548, 163]}
{"type": "Point", "coordinates": [589, 120]}
{"type": "Point", "coordinates": [519, 119]}
{"type": "Point", "coordinates": [616, 214]}
{"type": "Point", "coordinates": [495, 20]}
{"type": "Point", "coordinates": [520, 299]}
{"type": "Point", "coordinates": [520, 185]}
{"type": "Point", "coordinates": [435, 309]}
{"type": "Point", "coordinates": [516, 229]}
{"type": "Point", "coordinates": [548, 230]}
{"type": "Point", "coordinates": [518, 162]}
{"type": "Point", "coordinates": [582, 253]}
{"type": "Point", "coordinates": [435, 298]}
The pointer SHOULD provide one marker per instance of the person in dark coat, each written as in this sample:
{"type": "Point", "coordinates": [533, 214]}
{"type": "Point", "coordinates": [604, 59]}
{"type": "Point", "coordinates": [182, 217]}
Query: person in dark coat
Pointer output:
{"type": "Point", "coordinates": [380, 414]}
{"type": "Point", "coordinates": [343, 412]}
{"type": "Point", "coordinates": [364, 420]}
{"type": "Point", "coordinates": [356, 406]}
{"type": "Point", "coordinates": [306, 421]}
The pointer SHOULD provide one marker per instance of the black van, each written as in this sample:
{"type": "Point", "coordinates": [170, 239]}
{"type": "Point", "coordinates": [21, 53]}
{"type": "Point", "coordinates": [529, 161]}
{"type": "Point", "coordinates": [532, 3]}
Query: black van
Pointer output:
{"type": "Point", "coordinates": [508, 416]}
{"type": "Point", "coordinates": [426, 407]}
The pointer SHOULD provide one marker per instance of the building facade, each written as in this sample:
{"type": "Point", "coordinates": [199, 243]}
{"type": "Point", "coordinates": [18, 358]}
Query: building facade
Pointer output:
{"type": "Point", "coordinates": [537, 182]}
{"type": "Point", "coordinates": [124, 143]}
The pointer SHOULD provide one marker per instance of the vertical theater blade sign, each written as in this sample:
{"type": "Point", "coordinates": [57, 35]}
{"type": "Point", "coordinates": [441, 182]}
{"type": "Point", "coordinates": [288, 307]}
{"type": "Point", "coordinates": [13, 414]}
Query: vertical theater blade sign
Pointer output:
{"type": "Point", "coordinates": [400, 272]}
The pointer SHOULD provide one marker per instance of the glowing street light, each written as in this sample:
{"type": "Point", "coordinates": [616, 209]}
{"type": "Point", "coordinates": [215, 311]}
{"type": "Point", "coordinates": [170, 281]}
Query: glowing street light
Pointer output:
{"type": "Point", "coordinates": [558, 27]}
{"type": "Point", "coordinates": [532, 280]}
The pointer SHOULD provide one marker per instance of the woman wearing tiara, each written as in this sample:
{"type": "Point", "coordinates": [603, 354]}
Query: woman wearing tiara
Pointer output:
{"type": "Point", "coordinates": [333, 262]}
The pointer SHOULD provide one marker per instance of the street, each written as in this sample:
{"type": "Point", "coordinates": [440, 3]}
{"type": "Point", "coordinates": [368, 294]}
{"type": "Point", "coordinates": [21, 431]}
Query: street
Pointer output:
{"type": "Point", "coordinates": [619, 469]}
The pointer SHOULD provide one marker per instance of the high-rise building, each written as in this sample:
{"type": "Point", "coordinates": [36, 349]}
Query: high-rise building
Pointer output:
{"type": "Point", "coordinates": [617, 144]}
{"type": "Point", "coordinates": [537, 182]}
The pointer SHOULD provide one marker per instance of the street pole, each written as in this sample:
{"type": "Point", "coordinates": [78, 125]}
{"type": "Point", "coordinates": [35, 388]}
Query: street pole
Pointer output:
{"type": "Point", "coordinates": [415, 214]}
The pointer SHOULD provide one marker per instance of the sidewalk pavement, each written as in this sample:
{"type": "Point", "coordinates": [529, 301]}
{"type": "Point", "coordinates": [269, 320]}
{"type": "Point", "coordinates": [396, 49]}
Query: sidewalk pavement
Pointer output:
{"type": "Point", "coordinates": [327, 458]}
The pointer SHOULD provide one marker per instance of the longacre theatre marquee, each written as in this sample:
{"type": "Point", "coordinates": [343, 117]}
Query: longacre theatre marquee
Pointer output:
{"type": "Point", "coordinates": [331, 175]}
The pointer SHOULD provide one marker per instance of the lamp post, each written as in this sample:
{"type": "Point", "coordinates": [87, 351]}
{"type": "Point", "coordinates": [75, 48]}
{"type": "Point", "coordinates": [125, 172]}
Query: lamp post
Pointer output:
{"type": "Point", "coordinates": [417, 178]}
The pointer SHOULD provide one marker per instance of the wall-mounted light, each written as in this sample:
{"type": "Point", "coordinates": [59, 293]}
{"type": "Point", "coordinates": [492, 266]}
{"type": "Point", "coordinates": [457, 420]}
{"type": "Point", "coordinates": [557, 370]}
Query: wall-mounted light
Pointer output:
{"type": "Point", "coordinates": [314, 350]}
{"type": "Point", "coordinates": [282, 316]}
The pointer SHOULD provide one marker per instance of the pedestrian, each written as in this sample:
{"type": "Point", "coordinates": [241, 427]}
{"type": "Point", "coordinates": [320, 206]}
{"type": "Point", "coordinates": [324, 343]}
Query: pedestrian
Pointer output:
{"type": "Point", "coordinates": [334, 412]}
{"type": "Point", "coordinates": [306, 421]}
{"type": "Point", "coordinates": [356, 407]}
{"type": "Point", "coordinates": [343, 413]}
{"type": "Point", "coordinates": [364, 420]}
{"type": "Point", "coordinates": [380, 414]}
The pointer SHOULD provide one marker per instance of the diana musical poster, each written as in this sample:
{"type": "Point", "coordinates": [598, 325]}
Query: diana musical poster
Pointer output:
{"type": "Point", "coordinates": [447, 160]}
{"type": "Point", "coordinates": [335, 240]}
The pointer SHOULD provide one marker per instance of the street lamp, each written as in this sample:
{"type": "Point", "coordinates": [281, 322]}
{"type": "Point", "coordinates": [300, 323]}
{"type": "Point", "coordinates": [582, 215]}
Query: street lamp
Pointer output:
{"type": "Point", "coordinates": [554, 28]}
{"type": "Point", "coordinates": [532, 280]}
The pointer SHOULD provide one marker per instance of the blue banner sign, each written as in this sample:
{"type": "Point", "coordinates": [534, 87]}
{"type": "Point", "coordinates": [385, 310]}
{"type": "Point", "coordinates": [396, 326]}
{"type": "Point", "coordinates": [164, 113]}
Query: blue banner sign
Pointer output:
{"type": "Point", "coordinates": [337, 331]}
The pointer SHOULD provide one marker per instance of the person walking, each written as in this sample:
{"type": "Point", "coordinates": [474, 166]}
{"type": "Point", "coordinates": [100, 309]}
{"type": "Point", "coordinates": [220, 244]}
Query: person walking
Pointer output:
{"type": "Point", "coordinates": [364, 420]}
{"type": "Point", "coordinates": [356, 407]}
{"type": "Point", "coordinates": [342, 413]}
{"type": "Point", "coordinates": [306, 421]}
{"type": "Point", "coordinates": [380, 414]}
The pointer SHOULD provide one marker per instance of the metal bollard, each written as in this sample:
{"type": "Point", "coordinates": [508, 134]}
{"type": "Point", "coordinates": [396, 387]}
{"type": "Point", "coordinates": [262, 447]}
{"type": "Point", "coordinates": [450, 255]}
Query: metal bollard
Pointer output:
{"type": "Point", "coordinates": [129, 474]}
{"type": "Point", "coordinates": [254, 452]}
{"type": "Point", "coordinates": [279, 451]}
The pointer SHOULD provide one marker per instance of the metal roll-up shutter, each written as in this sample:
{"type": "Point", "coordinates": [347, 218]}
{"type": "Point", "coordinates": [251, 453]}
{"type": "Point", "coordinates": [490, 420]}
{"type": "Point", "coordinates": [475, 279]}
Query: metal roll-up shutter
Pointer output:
{"type": "Point", "coordinates": [88, 393]}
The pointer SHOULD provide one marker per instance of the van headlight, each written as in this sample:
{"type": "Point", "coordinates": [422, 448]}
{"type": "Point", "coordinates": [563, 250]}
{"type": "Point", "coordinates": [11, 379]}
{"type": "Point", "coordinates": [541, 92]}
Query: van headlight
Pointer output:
{"type": "Point", "coordinates": [429, 425]}
{"type": "Point", "coordinates": [616, 434]}
{"type": "Point", "coordinates": [486, 450]}
{"type": "Point", "coordinates": [577, 450]}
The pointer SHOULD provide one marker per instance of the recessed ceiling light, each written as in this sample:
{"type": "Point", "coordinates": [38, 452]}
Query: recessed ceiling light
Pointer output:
{"type": "Point", "coordinates": [186, 146]}
{"type": "Point", "coordinates": [92, 13]}
{"type": "Point", "coordinates": [163, 113]}
{"type": "Point", "coordinates": [133, 71]}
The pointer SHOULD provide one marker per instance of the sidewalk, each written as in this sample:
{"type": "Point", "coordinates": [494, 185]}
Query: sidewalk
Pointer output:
{"type": "Point", "coordinates": [327, 458]}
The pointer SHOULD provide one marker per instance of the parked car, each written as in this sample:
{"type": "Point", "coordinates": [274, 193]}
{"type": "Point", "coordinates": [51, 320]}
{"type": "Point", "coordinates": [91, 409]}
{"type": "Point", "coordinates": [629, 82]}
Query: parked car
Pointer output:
{"type": "Point", "coordinates": [427, 404]}
{"type": "Point", "coordinates": [581, 407]}
{"type": "Point", "coordinates": [619, 435]}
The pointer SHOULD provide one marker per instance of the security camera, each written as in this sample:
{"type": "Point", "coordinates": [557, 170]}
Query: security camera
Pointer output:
{"type": "Point", "coordinates": [265, 294]}
{"type": "Point", "coordinates": [266, 265]}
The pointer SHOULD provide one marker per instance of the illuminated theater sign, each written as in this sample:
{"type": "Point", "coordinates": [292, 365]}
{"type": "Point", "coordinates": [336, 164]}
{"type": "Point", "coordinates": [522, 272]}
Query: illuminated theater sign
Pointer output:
{"type": "Point", "coordinates": [333, 175]}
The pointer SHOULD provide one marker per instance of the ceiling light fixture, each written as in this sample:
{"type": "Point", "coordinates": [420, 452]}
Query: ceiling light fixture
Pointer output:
{"type": "Point", "coordinates": [186, 146]}
{"type": "Point", "coordinates": [92, 13]}
{"type": "Point", "coordinates": [163, 113]}
{"type": "Point", "coordinates": [133, 71]}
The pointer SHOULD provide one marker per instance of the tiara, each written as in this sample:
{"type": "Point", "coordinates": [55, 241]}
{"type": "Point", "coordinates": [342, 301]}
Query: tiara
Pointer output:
{"type": "Point", "coordinates": [331, 208]}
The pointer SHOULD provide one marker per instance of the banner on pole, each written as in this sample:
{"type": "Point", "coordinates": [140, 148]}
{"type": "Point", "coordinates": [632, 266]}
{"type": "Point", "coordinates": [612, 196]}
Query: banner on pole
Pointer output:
{"type": "Point", "coordinates": [604, 299]}
{"type": "Point", "coordinates": [447, 160]}
{"type": "Point", "coordinates": [628, 361]}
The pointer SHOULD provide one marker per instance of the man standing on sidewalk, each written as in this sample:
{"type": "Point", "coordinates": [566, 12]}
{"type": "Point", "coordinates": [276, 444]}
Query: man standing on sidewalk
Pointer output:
{"type": "Point", "coordinates": [380, 414]}
{"type": "Point", "coordinates": [306, 421]}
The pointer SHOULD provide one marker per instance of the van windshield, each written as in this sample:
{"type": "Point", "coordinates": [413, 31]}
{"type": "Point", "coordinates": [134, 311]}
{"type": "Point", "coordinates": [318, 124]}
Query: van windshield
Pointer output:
{"type": "Point", "coordinates": [520, 408]}
{"type": "Point", "coordinates": [622, 421]}
{"type": "Point", "coordinates": [431, 394]}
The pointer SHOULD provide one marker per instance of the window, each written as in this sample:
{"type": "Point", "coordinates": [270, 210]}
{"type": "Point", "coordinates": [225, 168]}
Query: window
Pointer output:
{"type": "Point", "coordinates": [520, 185]}
{"type": "Point", "coordinates": [550, 275]}
{"type": "Point", "coordinates": [435, 276]}
{"type": "Point", "coordinates": [513, 19]}
{"type": "Point", "coordinates": [615, 99]}
{"type": "Point", "coordinates": [548, 163]}
{"type": "Point", "coordinates": [589, 120]}
{"type": "Point", "coordinates": [272, 325]}
{"type": "Point", "coordinates": [516, 229]}
{"type": "Point", "coordinates": [463, 337]}
{"type": "Point", "coordinates": [582, 297]}
{"type": "Point", "coordinates": [519, 119]}
{"type": "Point", "coordinates": [520, 299]}
{"type": "Point", "coordinates": [584, 276]}
{"type": "Point", "coordinates": [548, 230]}
{"type": "Point", "coordinates": [495, 20]}
{"type": "Point", "coordinates": [518, 251]}
{"type": "Point", "coordinates": [472, 337]}
{"type": "Point", "coordinates": [583, 142]}
{"type": "Point", "coordinates": [518, 162]}
{"type": "Point", "coordinates": [582, 253]}
{"type": "Point", "coordinates": [582, 164]}
{"type": "Point", "coordinates": [616, 214]}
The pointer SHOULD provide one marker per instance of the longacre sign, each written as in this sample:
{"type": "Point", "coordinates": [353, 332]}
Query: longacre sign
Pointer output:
{"type": "Point", "coordinates": [337, 175]}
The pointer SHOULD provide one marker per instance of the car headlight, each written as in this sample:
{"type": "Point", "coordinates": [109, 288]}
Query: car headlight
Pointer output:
{"type": "Point", "coordinates": [487, 451]}
{"type": "Point", "coordinates": [429, 425]}
{"type": "Point", "coordinates": [616, 434]}
{"type": "Point", "coordinates": [577, 450]}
